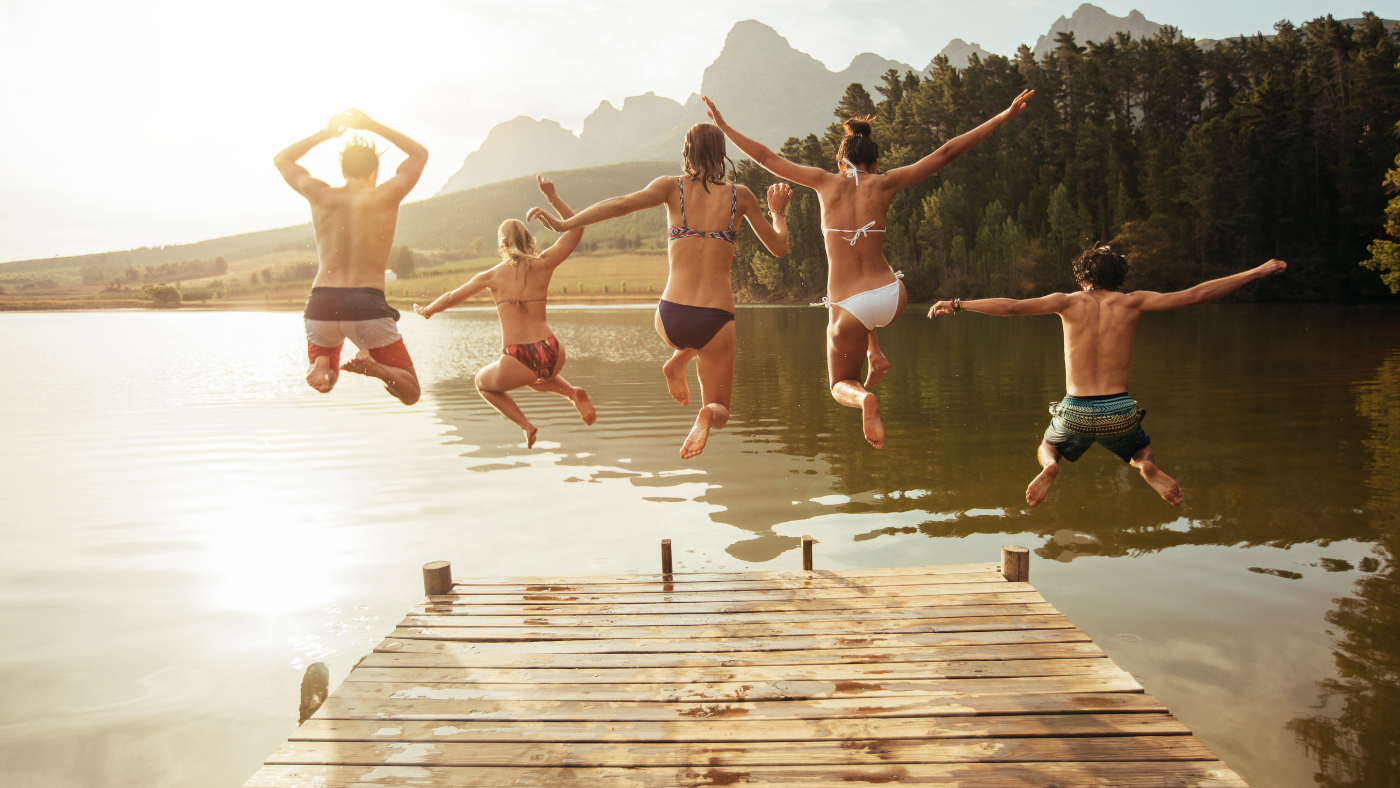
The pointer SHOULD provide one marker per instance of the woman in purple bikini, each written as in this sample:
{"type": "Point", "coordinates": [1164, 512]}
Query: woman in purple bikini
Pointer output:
{"type": "Point", "coordinates": [519, 284]}
{"type": "Point", "coordinates": [696, 313]}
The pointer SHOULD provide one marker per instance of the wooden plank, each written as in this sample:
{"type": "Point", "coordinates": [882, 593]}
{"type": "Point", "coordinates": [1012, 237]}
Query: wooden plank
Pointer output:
{"type": "Point", "coordinates": [800, 582]}
{"type": "Point", "coordinates": [862, 751]}
{"type": "Point", "coordinates": [971, 623]}
{"type": "Point", "coordinates": [820, 657]}
{"type": "Point", "coordinates": [703, 577]}
{"type": "Point", "coordinates": [549, 710]}
{"type": "Point", "coordinates": [833, 617]}
{"type": "Point", "coordinates": [1109, 678]}
{"type": "Point", "coordinates": [1198, 774]}
{"type": "Point", "coordinates": [723, 730]}
{"type": "Point", "coordinates": [769, 674]}
{"type": "Point", "coordinates": [796, 605]}
{"type": "Point", "coordinates": [692, 595]}
{"type": "Point", "coordinates": [722, 645]}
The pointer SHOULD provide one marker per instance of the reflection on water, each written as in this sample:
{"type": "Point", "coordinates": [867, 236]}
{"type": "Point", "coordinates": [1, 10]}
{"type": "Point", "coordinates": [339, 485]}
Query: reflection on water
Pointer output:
{"type": "Point", "coordinates": [188, 526]}
{"type": "Point", "coordinates": [1359, 747]}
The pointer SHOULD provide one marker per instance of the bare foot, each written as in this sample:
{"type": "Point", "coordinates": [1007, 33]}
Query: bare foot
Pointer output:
{"type": "Point", "coordinates": [530, 433]}
{"type": "Point", "coordinates": [879, 365]}
{"type": "Point", "coordinates": [695, 441]}
{"type": "Point", "coordinates": [584, 406]}
{"type": "Point", "coordinates": [1040, 485]}
{"type": "Point", "coordinates": [676, 383]}
{"type": "Point", "coordinates": [361, 364]}
{"type": "Point", "coordinates": [870, 418]}
{"type": "Point", "coordinates": [322, 375]}
{"type": "Point", "coordinates": [1165, 485]}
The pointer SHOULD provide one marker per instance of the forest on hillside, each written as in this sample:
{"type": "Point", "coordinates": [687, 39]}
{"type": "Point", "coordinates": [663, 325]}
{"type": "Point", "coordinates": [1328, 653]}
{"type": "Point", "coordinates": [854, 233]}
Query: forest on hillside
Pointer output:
{"type": "Point", "coordinates": [1196, 163]}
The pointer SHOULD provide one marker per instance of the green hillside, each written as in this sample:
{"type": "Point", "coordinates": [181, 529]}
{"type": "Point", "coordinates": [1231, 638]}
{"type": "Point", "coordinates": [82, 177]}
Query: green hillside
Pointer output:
{"type": "Point", "coordinates": [462, 224]}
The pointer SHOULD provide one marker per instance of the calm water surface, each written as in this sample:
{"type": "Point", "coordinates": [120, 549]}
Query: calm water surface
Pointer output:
{"type": "Point", "coordinates": [186, 525]}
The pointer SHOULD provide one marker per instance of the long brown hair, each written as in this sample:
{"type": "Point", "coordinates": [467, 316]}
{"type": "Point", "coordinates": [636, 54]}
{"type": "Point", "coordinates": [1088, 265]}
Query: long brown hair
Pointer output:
{"type": "Point", "coordinates": [859, 146]}
{"type": "Point", "coordinates": [704, 155]}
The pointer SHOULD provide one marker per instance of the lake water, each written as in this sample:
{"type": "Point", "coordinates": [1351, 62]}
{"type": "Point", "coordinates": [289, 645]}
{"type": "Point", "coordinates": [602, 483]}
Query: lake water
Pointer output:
{"type": "Point", "coordinates": [186, 525]}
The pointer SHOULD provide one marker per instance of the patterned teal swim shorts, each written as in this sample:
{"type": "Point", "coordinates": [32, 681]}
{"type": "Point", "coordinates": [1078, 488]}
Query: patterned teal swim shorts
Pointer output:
{"type": "Point", "coordinates": [1113, 420]}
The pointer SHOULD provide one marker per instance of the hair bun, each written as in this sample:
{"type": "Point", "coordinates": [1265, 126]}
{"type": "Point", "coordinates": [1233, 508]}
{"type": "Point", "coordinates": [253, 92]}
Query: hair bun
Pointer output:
{"type": "Point", "coordinates": [858, 127]}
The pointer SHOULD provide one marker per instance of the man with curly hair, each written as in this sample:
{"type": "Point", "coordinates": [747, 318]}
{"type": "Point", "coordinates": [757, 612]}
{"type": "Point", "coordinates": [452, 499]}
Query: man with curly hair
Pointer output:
{"type": "Point", "coordinates": [354, 227]}
{"type": "Point", "coordinates": [1099, 323]}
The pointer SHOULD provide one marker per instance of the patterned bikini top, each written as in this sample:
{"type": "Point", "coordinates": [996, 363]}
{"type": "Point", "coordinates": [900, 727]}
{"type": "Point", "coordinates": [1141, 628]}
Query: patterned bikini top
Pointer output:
{"type": "Point", "coordinates": [684, 231]}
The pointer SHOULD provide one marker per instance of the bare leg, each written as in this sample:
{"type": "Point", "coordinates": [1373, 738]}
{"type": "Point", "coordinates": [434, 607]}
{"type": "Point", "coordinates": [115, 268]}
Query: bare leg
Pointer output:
{"type": "Point", "coordinates": [716, 368]}
{"type": "Point", "coordinates": [498, 377]}
{"type": "Point", "coordinates": [1049, 458]}
{"type": "Point", "coordinates": [558, 385]}
{"type": "Point", "coordinates": [674, 370]}
{"type": "Point", "coordinates": [1165, 485]}
{"type": "Point", "coordinates": [879, 365]}
{"type": "Point", "coordinates": [322, 376]}
{"type": "Point", "coordinates": [846, 340]}
{"type": "Point", "coordinates": [402, 382]}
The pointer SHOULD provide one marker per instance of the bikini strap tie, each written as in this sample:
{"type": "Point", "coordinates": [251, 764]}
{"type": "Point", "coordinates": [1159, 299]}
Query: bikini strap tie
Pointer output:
{"type": "Point", "coordinates": [826, 301]}
{"type": "Point", "coordinates": [851, 171]}
{"type": "Point", "coordinates": [857, 234]}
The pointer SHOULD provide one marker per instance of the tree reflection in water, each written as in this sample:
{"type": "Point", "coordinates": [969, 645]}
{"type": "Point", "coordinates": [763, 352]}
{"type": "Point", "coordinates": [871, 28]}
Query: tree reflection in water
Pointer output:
{"type": "Point", "coordinates": [1361, 747]}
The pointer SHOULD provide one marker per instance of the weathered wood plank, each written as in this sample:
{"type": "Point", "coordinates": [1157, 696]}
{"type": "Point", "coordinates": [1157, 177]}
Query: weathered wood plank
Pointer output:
{"type": "Point", "coordinates": [702, 577]}
{"type": "Point", "coordinates": [1096, 702]}
{"type": "Point", "coordinates": [971, 623]}
{"type": "Point", "coordinates": [777, 673]}
{"type": "Point", "coordinates": [723, 730]}
{"type": "Point", "coordinates": [722, 645]}
{"type": "Point", "coordinates": [691, 595]}
{"type": "Point", "coordinates": [795, 605]}
{"type": "Point", "coordinates": [1109, 678]}
{"type": "Point", "coordinates": [1201, 774]}
{"type": "Point", "coordinates": [860, 751]}
{"type": "Point", "coordinates": [812, 657]}
{"type": "Point", "coordinates": [814, 583]}
{"type": "Point", "coordinates": [832, 617]}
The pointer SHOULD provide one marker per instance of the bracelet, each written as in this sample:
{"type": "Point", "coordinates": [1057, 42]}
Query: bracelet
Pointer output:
{"type": "Point", "coordinates": [772, 212]}
{"type": "Point", "coordinates": [957, 305]}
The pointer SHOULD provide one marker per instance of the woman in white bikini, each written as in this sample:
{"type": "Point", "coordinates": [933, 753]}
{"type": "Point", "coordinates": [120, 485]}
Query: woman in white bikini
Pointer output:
{"type": "Point", "coordinates": [696, 313]}
{"type": "Point", "coordinates": [519, 284]}
{"type": "Point", "coordinates": [863, 292]}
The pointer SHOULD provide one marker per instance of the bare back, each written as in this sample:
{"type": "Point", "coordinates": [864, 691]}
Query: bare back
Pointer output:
{"type": "Point", "coordinates": [699, 266]}
{"type": "Point", "coordinates": [521, 291]}
{"type": "Point", "coordinates": [846, 206]}
{"type": "Point", "coordinates": [354, 227]}
{"type": "Point", "coordinates": [1099, 326]}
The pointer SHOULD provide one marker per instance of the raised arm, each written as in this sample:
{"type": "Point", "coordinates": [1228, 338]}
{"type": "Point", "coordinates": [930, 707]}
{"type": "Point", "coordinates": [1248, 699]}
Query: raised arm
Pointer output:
{"type": "Point", "coordinates": [1005, 307]}
{"type": "Point", "coordinates": [1204, 292]}
{"type": "Point", "coordinates": [446, 301]}
{"type": "Point", "coordinates": [763, 157]}
{"type": "Point", "coordinates": [775, 236]}
{"type": "Point", "coordinates": [296, 175]}
{"type": "Point", "coordinates": [900, 177]}
{"type": "Point", "coordinates": [567, 242]}
{"type": "Point", "coordinates": [650, 197]}
{"type": "Point", "coordinates": [408, 173]}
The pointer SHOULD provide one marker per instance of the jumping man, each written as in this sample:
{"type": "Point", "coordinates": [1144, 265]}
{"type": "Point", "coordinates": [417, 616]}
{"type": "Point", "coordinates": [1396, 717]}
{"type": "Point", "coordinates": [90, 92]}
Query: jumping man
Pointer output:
{"type": "Point", "coordinates": [354, 227]}
{"type": "Point", "coordinates": [1099, 323]}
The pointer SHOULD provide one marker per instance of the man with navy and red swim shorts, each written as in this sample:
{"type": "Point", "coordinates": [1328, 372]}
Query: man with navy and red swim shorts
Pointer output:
{"type": "Point", "coordinates": [354, 227]}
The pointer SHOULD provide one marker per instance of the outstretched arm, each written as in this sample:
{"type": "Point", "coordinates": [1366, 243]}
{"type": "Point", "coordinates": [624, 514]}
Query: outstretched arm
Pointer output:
{"type": "Point", "coordinates": [446, 301]}
{"type": "Point", "coordinates": [296, 175]}
{"type": "Point", "coordinates": [1204, 292]}
{"type": "Point", "coordinates": [762, 156]}
{"type": "Point", "coordinates": [650, 197]}
{"type": "Point", "coordinates": [1005, 307]}
{"type": "Point", "coordinates": [901, 177]}
{"type": "Point", "coordinates": [567, 242]}
{"type": "Point", "coordinates": [408, 173]}
{"type": "Point", "coordinates": [775, 236]}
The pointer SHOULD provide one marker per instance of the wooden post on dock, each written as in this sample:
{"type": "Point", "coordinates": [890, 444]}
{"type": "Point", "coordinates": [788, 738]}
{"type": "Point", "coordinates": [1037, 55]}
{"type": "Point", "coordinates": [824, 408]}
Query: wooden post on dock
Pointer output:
{"type": "Point", "coordinates": [665, 556]}
{"type": "Point", "coordinates": [807, 553]}
{"type": "Point", "coordinates": [437, 578]}
{"type": "Point", "coordinates": [1016, 564]}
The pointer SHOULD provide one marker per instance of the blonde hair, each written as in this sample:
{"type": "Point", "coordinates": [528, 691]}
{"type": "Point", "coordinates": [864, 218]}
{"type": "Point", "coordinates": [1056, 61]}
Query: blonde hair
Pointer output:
{"type": "Point", "coordinates": [516, 243]}
{"type": "Point", "coordinates": [705, 156]}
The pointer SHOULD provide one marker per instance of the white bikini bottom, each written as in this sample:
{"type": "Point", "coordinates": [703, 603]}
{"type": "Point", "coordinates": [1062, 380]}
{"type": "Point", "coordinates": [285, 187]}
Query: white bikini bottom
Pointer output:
{"type": "Point", "coordinates": [873, 308]}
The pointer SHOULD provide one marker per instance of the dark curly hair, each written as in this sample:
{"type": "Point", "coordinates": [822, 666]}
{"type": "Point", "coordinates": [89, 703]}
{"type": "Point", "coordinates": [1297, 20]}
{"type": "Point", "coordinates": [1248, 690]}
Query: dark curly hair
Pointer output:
{"type": "Point", "coordinates": [859, 145]}
{"type": "Point", "coordinates": [1100, 268]}
{"type": "Point", "coordinates": [358, 159]}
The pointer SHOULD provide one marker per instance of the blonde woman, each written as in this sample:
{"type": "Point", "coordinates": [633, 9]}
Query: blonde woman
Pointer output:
{"type": "Point", "coordinates": [695, 316]}
{"type": "Point", "coordinates": [863, 292]}
{"type": "Point", "coordinates": [519, 285]}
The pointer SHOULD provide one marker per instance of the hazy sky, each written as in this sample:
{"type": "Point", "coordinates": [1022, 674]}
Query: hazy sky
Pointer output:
{"type": "Point", "coordinates": [145, 123]}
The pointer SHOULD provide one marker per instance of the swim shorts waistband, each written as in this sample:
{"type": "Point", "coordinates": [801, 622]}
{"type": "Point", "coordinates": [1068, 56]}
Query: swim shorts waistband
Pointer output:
{"type": "Point", "coordinates": [1095, 397]}
{"type": "Point", "coordinates": [348, 304]}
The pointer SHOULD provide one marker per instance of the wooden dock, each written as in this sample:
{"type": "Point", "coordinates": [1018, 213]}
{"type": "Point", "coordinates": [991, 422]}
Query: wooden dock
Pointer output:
{"type": "Point", "coordinates": [940, 675]}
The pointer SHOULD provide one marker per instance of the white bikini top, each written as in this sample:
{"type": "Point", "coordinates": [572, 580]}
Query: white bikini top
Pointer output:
{"type": "Point", "coordinates": [852, 172]}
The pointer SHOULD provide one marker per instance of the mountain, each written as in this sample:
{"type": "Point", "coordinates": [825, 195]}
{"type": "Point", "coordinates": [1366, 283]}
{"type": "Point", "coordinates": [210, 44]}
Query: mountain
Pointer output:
{"type": "Point", "coordinates": [793, 98]}
{"type": "Point", "coordinates": [959, 52]}
{"type": "Point", "coordinates": [1091, 23]}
